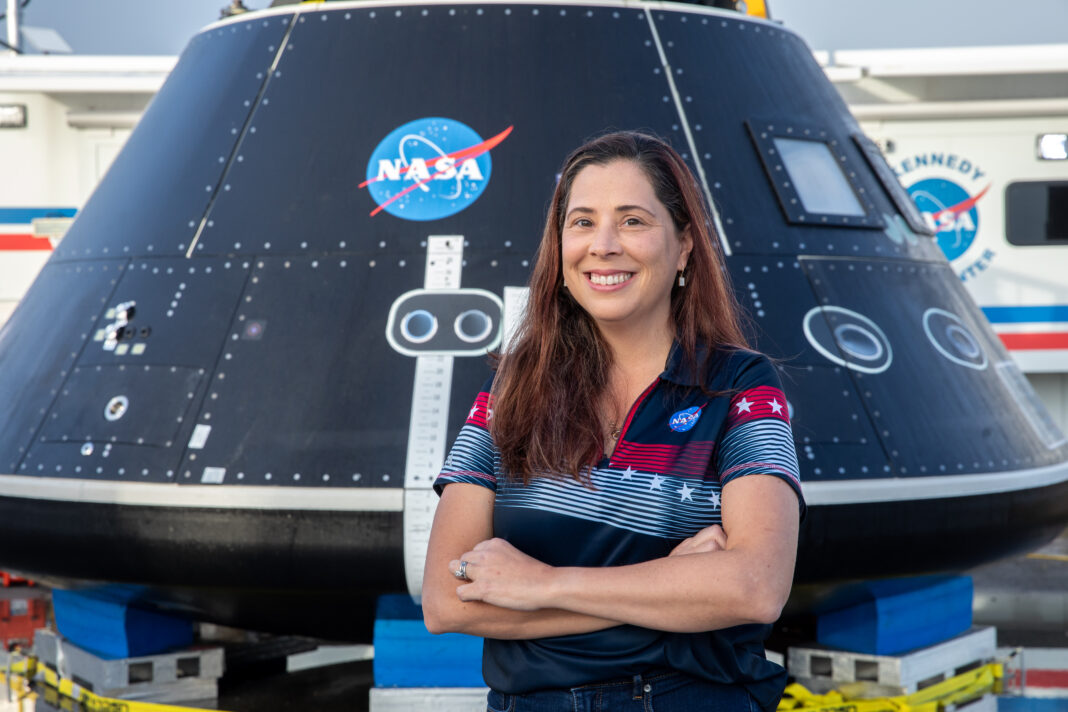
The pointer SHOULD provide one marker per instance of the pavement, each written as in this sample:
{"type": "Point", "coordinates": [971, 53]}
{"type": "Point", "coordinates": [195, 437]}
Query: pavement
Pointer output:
{"type": "Point", "coordinates": [1026, 597]}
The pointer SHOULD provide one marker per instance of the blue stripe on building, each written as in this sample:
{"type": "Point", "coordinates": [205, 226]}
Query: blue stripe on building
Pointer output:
{"type": "Point", "coordinates": [1013, 315]}
{"type": "Point", "coordinates": [20, 216]}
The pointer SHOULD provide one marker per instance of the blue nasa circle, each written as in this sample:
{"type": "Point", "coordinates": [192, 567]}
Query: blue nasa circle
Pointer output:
{"type": "Point", "coordinates": [417, 158]}
{"type": "Point", "coordinates": [683, 420]}
{"type": "Point", "coordinates": [955, 234]}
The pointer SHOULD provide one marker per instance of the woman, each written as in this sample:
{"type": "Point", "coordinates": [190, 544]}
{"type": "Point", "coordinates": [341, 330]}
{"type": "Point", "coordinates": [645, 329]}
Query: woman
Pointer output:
{"type": "Point", "coordinates": [581, 503]}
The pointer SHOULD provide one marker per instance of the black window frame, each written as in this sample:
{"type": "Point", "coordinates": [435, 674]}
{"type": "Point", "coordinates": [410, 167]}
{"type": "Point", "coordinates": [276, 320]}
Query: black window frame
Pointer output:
{"type": "Point", "coordinates": [1023, 221]}
{"type": "Point", "coordinates": [763, 132]}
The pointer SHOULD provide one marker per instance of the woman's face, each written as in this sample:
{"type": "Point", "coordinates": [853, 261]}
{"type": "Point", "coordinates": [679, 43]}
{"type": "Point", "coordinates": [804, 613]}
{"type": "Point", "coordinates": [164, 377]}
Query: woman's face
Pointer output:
{"type": "Point", "coordinates": [620, 251]}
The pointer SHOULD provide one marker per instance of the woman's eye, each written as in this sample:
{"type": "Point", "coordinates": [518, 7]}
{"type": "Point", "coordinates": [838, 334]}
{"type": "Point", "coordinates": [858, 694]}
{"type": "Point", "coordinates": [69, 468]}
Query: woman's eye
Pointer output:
{"type": "Point", "coordinates": [632, 221]}
{"type": "Point", "coordinates": [583, 222]}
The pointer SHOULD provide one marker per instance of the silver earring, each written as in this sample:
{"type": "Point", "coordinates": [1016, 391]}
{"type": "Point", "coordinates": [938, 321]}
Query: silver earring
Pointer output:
{"type": "Point", "coordinates": [682, 280]}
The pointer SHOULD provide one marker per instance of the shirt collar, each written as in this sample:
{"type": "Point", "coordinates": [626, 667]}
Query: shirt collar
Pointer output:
{"type": "Point", "coordinates": [679, 372]}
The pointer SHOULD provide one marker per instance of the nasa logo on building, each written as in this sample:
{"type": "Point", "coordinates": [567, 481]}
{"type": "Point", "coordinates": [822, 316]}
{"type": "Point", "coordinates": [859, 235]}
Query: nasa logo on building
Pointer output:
{"type": "Point", "coordinates": [429, 169]}
{"type": "Point", "coordinates": [946, 188]}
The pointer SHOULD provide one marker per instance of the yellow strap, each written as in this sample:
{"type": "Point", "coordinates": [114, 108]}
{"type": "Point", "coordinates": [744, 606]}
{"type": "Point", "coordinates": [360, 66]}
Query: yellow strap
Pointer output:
{"type": "Point", "coordinates": [936, 698]}
{"type": "Point", "coordinates": [32, 670]}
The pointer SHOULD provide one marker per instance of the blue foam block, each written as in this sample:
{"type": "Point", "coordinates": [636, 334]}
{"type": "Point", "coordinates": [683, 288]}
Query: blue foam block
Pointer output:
{"type": "Point", "coordinates": [407, 655]}
{"type": "Point", "coordinates": [104, 622]}
{"type": "Point", "coordinates": [898, 615]}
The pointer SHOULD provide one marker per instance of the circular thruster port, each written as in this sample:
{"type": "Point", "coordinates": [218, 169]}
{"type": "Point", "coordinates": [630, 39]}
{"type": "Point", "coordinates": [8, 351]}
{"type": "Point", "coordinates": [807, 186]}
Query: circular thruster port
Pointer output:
{"type": "Point", "coordinates": [116, 408]}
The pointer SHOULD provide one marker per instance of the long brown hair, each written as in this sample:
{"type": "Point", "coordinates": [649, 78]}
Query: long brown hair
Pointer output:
{"type": "Point", "coordinates": [551, 379]}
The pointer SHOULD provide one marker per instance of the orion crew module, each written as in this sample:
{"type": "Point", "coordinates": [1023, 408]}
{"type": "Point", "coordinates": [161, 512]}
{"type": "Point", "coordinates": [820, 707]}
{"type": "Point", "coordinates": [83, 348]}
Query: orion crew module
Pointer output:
{"type": "Point", "coordinates": [237, 375]}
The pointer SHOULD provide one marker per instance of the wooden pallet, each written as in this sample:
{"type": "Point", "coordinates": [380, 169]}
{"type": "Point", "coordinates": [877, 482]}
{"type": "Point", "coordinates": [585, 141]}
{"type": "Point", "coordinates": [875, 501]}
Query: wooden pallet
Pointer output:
{"type": "Point", "coordinates": [185, 676]}
{"type": "Point", "coordinates": [822, 669]}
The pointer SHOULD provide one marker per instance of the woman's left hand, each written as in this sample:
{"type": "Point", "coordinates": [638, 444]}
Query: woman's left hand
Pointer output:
{"type": "Point", "coordinates": [502, 575]}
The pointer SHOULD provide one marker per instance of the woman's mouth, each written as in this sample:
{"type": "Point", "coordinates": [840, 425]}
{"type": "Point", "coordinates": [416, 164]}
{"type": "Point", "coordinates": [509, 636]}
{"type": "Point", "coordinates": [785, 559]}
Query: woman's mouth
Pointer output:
{"type": "Point", "coordinates": [608, 280]}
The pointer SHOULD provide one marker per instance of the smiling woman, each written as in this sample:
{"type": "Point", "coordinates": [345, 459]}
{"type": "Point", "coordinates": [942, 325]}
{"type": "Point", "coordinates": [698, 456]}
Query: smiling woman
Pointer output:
{"type": "Point", "coordinates": [620, 509]}
{"type": "Point", "coordinates": [621, 251]}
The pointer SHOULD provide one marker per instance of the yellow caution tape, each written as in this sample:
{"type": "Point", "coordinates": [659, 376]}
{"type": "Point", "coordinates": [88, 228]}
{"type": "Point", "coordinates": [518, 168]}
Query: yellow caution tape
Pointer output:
{"type": "Point", "coordinates": [937, 698]}
{"type": "Point", "coordinates": [30, 677]}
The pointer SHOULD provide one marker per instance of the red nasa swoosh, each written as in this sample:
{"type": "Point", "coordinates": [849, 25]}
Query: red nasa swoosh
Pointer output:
{"type": "Point", "coordinates": [962, 206]}
{"type": "Point", "coordinates": [463, 154]}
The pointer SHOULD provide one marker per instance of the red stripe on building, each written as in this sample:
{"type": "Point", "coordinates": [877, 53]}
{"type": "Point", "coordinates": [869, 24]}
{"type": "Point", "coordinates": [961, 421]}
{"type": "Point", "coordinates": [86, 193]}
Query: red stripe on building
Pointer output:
{"type": "Point", "coordinates": [24, 242]}
{"type": "Point", "coordinates": [1047, 678]}
{"type": "Point", "coordinates": [1028, 342]}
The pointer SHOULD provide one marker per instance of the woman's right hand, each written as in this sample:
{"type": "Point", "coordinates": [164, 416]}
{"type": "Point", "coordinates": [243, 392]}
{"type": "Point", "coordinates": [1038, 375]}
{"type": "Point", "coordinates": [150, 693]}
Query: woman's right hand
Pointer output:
{"type": "Point", "coordinates": [711, 538]}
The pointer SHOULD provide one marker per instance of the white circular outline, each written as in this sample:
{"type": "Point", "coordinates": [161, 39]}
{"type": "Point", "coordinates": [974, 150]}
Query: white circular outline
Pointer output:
{"type": "Point", "coordinates": [468, 339]}
{"type": "Point", "coordinates": [391, 323]}
{"type": "Point", "coordinates": [121, 401]}
{"type": "Point", "coordinates": [835, 358]}
{"type": "Point", "coordinates": [957, 328]}
{"type": "Point", "coordinates": [841, 344]}
{"type": "Point", "coordinates": [940, 349]}
{"type": "Point", "coordinates": [407, 334]}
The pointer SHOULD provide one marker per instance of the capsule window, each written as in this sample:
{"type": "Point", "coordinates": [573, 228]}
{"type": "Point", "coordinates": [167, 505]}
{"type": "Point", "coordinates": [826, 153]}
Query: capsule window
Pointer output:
{"type": "Point", "coordinates": [821, 186]}
{"type": "Point", "coordinates": [1036, 213]}
{"type": "Point", "coordinates": [897, 193]}
{"type": "Point", "coordinates": [816, 181]}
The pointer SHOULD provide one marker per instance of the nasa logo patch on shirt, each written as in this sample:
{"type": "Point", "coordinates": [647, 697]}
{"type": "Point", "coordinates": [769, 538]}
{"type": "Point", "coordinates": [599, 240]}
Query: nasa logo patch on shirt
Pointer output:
{"type": "Point", "coordinates": [683, 420]}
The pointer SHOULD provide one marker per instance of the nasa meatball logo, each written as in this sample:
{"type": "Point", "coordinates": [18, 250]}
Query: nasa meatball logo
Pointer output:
{"type": "Point", "coordinates": [947, 188]}
{"type": "Point", "coordinates": [950, 211]}
{"type": "Point", "coordinates": [429, 169]}
{"type": "Point", "coordinates": [684, 420]}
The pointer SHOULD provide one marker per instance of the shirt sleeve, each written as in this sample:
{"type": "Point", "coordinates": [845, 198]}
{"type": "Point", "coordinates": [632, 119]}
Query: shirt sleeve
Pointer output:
{"type": "Point", "coordinates": [473, 458]}
{"type": "Point", "coordinates": [757, 439]}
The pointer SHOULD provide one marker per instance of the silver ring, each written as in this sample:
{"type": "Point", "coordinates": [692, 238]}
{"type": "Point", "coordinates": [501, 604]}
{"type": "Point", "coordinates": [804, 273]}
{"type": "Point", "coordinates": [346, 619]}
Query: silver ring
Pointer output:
{"type": "Point", "coordinates": [462, 573]}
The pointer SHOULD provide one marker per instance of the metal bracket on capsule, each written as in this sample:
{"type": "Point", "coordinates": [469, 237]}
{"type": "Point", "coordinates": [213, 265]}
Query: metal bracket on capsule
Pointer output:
{"type": "Point", "coordinates": [445, 322]}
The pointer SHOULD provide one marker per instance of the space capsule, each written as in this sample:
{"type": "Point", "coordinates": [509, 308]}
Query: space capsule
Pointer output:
{"type": "Point", "coordinates": [231, 385]}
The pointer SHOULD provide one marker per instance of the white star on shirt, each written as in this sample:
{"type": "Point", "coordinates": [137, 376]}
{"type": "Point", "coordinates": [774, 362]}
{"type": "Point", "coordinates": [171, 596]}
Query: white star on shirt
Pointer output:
{"type": "Point", "coordinates": [686, 492]}
{"type": "Point", "coordinates": [744, 405]}
{"type": "Point", "coordinates": [628, 473]}
{"type": "Point", "coordinates": [489, 414]}
{"type": "Point", "coordinates": [474, 409]}
{"type": "Point", "coordinates": [776, 406]}
{"type": "Point", "coordinates": [655, 484]}
{"type": "Point", "coordinates": [714, 499]}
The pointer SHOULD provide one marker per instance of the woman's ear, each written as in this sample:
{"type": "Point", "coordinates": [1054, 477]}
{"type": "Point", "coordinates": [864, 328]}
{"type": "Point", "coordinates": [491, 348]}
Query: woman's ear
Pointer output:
{"type": "Point", "coordinates": [687, 246]}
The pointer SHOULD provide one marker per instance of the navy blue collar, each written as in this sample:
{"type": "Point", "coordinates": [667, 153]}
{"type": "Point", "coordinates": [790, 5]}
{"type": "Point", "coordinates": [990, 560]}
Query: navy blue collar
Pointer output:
{"type": "Point", "coordinates": [681, 373]}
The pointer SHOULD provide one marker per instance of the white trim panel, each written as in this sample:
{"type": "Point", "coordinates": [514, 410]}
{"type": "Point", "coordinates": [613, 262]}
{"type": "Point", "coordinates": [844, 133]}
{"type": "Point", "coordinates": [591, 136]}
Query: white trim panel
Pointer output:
{"type": "Point", "coordinates": [382, 499]}
{"type": "Point", "coordinates": [147, 494]}
{"type": "Point", "coordinates": [306, 7]}
{"type": "Point", "coordinates": [901, 489]}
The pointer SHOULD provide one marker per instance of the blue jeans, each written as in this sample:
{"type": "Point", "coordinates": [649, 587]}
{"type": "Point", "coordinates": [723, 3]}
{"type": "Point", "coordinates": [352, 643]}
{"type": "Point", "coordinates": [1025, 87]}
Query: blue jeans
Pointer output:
{"type": "Point", "coordinates": [655, 692]}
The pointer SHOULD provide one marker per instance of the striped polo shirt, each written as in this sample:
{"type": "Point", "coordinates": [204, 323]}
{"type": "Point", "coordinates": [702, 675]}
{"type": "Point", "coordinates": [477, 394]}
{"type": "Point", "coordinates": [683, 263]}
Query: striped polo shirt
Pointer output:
{"type": "Point", "coordinates": [677, 450]}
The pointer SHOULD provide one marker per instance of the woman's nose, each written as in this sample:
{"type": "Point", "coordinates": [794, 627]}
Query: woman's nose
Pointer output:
{"type": "Point", "coordinates": [605, 241]}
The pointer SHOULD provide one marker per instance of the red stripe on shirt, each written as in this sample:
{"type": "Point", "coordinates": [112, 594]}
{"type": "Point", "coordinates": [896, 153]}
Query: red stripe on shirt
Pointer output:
{"type": "Point", "coordinates": [757, 403]}
{"type": "Point", "coordinates": [481, 411]}
{"type": "Point", "coordinates": [691, 459]}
